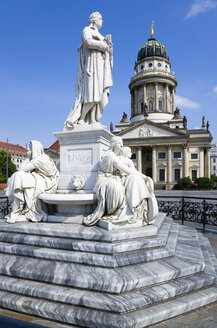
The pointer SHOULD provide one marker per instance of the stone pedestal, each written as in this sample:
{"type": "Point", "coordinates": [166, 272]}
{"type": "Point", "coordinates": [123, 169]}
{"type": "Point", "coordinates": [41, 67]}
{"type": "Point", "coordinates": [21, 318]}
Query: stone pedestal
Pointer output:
{"type": "Point", "coordinates": [81, 150]}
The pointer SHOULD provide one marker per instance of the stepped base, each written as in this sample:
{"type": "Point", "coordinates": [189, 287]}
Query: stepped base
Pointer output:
{"type": "Point", "coordinates": [90, 277]}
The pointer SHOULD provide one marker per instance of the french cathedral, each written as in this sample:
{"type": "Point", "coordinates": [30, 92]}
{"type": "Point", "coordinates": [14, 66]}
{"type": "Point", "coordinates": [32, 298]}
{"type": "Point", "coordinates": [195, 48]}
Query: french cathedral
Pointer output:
{"type": "Point", "coordinates": [162, 146]}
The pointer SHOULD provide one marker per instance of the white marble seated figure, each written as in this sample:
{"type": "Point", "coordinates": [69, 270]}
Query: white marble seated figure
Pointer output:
{"type": "Point", "coordinates": [94, 75]}
{"type": "Point", "coordinates": [123, 193]}
{"type": "Point", "coordinates": [38, 175]}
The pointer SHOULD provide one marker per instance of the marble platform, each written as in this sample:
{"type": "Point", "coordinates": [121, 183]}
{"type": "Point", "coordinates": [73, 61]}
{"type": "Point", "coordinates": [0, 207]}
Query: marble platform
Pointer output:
{"type": "Point", "coordinates": [91, 277]}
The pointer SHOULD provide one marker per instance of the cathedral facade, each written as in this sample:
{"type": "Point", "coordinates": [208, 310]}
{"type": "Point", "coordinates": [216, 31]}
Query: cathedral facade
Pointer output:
{"type": "Point", "coordinates": [162, 145]}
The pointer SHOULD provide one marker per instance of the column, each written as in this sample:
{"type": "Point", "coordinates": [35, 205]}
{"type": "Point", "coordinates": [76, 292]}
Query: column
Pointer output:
{"type": "Point", "coordinates": [201, 172]}
{"type": "Point", "coordinates": [208, 162]}
{"type": "Point", "coordinates": [135, 101]}
{"type": "Point", "coordinates": [185, 160]}
{"type": "Point", "coordinates": [169, 164]}
{"type": "Point", "coordinates": [173, 100]}
{"type": "Point", "coordinates": [132, 102]}
{"type": "Point", "coordinates": [139, 159]}
{"type": "Point", "coordinates": [168, 109]}
{"type": "Point", "coordinates": [154, 168]}
{"type": "Point", "coordinates": [145, 95]}
{"type": "Point", "coordinates": [156, 96]}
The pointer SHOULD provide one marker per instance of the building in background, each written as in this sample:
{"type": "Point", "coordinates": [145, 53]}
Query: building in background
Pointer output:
{"type": "Point", "coordinates": [213, 159]}
{"type": "Point", "coordinates": [163, 148]}
{"type": "Point", "coordinates": [54, 152]}
{"type": "Point", "coordinates": [18, 153]}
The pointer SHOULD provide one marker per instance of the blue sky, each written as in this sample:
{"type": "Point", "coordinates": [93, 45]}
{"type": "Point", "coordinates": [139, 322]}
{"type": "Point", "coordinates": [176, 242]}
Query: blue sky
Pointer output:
{"type": "Point", "coordinates": [39, 59]}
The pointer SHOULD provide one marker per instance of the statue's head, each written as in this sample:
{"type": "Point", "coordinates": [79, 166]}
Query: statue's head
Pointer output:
{"type": "Point", "coordinates": [36, 148]}
{"type": "Point", "coordinates": [127, 152]}
{"type": "Point", "coordinates": [116, 144]}
{"type": "Point", "coordinates": [96, 19]}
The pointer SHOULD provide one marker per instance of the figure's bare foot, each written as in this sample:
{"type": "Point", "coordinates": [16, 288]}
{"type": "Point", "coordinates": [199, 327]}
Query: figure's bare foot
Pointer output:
{"type": "Point", "coordinates": [80, 122]}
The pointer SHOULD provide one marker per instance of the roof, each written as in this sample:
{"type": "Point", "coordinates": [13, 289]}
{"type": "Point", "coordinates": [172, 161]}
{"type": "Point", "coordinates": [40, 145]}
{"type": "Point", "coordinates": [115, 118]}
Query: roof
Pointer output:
{"type": "Point", "coordinates": [55, 146]}
{"type": "Point", "coordinates": [15, 150]}
{"type": "Point", "coordinates": [140, 123]}
{"type": "Point", "coordinates": [152, 48]}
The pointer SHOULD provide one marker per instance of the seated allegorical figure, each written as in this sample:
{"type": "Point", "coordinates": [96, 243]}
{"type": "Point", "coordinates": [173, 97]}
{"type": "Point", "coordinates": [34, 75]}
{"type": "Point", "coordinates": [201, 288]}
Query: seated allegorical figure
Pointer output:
{"type": "Point", "coordinates": [123, 193]}
{"type": "Point", "coordinates": [38, 175]}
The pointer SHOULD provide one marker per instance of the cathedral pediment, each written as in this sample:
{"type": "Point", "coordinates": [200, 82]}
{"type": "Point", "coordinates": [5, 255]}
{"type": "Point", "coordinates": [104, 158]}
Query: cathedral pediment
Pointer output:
{"type": "Point", "coordinates": [148, 129]}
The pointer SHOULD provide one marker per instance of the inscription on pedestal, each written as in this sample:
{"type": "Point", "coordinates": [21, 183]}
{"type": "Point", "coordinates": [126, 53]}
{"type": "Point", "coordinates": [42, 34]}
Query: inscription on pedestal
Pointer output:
{"type": "Point", "coordinates": [79, 157]}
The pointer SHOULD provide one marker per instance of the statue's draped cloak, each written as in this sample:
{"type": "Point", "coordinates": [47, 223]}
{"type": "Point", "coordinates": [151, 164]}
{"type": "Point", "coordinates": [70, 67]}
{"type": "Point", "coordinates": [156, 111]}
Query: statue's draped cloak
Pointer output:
{"type": "Point", "coordinates": [25, 187]}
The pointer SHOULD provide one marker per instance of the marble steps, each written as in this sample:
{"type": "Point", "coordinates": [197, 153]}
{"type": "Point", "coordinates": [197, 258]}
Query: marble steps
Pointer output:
{"type": "Point", "coordinates": [142, 306]}
{"type": "Point", "coordinates": [77, 231]}
{"type": "Point", "coordinates": [100, 247]}
{"type": "Point", "coordinates": [121, 303]}
{"type": "Point", "coordinates": [84, 317]}
{"type": "Point", "coordinates": [103, 260]}
{"type": "Point", "coordinates": [211, 253]}
{"type": "Point", "coordinates": [116, 280]}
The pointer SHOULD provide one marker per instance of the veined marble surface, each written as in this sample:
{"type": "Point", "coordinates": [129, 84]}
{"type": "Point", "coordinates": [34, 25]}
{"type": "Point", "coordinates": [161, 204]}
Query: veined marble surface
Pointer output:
{"type": "Point", "coordinates": [95, 319]}
{"type": "Point", "coordinates": [88, 245]}
{"type": "Point", "coordinates": [121, 303]}
{"type": "Point", "coordinates": [103, 260]}
{"type": "Point", "coordinates": [83, 232]}
{"type": "Point", "coordinates": [91, 296]}
{"type": "Point", "coordinates": [115, 280]}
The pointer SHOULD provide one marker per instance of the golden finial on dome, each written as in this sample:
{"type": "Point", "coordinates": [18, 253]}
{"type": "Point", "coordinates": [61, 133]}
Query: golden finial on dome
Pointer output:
{"type": "Point", "coordinates": [152, 29]}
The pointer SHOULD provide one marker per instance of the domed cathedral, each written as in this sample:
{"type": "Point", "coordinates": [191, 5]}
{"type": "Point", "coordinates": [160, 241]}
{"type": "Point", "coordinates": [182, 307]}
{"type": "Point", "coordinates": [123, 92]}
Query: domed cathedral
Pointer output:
{"type": "Point", "coordinates": [162, 146]}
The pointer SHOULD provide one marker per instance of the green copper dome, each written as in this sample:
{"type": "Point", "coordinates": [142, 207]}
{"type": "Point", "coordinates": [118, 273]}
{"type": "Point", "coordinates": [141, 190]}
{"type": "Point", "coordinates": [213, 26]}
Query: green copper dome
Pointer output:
{"type": "Point", "coordinates": [152, 48]}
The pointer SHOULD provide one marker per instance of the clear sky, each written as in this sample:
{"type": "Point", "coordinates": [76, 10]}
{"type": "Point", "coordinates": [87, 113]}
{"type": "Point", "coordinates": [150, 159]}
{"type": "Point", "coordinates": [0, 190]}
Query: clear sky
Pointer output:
{"type": "Point", "coordinates": [39, 59]}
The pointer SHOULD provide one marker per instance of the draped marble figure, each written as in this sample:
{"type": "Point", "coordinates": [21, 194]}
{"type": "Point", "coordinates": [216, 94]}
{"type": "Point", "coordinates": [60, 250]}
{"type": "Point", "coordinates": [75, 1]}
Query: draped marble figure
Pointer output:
{"type": "Point", "coordinates": [94, 74]}
{"type": "Point", "coordinates": [38, 175]}
{"type": "Point", "coordinates": [123, 193]}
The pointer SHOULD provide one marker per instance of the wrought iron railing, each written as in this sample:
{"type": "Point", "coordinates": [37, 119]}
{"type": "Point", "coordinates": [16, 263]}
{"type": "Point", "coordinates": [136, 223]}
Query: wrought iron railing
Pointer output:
{"type": "Point", "coordinates": [4, 206]}
{"type": "Point", "coordinates": [184, 208]}
{"type": "Point", "coordinates": [194, 209]}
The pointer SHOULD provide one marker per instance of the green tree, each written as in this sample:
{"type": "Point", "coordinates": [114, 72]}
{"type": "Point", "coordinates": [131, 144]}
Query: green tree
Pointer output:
{"type": "Point", "coordinates": [204, 183]}
{"type": "Point", "coordinates": [11, 166]}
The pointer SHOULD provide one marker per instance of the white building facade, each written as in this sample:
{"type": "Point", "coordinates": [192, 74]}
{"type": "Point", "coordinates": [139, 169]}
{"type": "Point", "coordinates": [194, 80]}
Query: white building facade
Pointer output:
{"type": "Point", "coordinates": [162, 146]}
{"type": "Point", "coordinates": [213, 159]}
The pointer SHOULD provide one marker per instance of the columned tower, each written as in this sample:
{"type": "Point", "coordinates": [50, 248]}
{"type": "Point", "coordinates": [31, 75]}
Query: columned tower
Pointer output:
{"type": "Point", "coordinates": [153, 86]}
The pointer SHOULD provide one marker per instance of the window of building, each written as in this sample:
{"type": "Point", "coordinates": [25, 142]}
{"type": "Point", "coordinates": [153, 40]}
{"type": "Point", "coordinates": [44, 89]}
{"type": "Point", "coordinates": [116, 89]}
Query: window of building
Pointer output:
{"type": "Point", "coordinates": [177, 174]}
{"type": "Point", "coordinates": [213, 160]}
{"type": "Point", "coordinates": [214, 167]}
{"type": "Point", "coordinates": [160, 104]}
{"type": "Point", "coordinates": [149, 157]}
{"type": "Point", "coordinates": [161, 155]}
{"type": "Point", "coordinates": [142, 67]}
{"type": "Point", "coordinates": [161, 175]}
{"type": "Point", "coordinates": [133, 156]}
{"type": "Point", "coordinates": [193, 175]}
{"type": "Point", "coordinates": [177, 154]}
{"type": "Point", "coordinates": [159, 64]}
{"type": "Point", "coordinates": [150, 64]}
{"type": "Point", "coordinates": [194, 156]}
{"type": "Point", "coordinates": [142, 107]}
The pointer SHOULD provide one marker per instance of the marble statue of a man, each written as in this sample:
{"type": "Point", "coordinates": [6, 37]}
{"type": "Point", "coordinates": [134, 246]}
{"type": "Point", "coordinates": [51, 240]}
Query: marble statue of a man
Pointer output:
{"type": "Point", "coordinates": [94, 74]}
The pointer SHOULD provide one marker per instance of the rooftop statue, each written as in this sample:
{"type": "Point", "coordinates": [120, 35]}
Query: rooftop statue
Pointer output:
{"type": "Point", "coordinates": [94, 74]}
{"type": "Point", "coordinates": [123, 193]}
{"type": "Point", "coordinates": [38, 175]}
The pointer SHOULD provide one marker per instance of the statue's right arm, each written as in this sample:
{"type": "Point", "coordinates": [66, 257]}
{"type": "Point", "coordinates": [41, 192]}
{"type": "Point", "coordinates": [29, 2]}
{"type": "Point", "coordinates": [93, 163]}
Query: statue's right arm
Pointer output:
{"type": "Point", "coordinates": [92, 43]}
